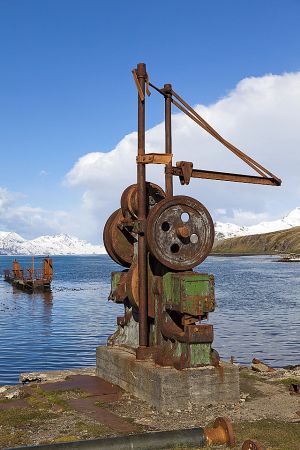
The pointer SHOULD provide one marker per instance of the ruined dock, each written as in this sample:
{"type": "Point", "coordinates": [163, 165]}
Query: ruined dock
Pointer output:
{"type": "Point", "coordinates": [30, 280]}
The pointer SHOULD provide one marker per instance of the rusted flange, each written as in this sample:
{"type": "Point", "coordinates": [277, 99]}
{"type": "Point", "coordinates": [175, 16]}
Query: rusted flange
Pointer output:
{"type": "Point", "coordinates": [221, 433]}
{"type": "Point", "coordinates": [252, 445]}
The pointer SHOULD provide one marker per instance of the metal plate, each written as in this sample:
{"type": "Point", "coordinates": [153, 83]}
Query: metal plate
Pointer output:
{"type": "Point", "coordinates": [180, 232]}
{"type": "Point", "coordinates": [118, 241]}
{"type": "Point", "coordinates": [129, 198]}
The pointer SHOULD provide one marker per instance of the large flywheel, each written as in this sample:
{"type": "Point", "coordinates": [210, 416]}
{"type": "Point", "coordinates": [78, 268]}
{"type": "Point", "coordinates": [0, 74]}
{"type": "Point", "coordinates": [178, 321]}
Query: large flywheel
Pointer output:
{"type": "Point", "coordinates": [180, 232]}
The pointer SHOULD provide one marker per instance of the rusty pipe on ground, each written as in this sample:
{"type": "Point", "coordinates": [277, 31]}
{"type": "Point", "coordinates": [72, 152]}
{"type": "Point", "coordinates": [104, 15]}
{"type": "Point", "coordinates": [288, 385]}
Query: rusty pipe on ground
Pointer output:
{"type": "Point", "coordinates": [221, 433]}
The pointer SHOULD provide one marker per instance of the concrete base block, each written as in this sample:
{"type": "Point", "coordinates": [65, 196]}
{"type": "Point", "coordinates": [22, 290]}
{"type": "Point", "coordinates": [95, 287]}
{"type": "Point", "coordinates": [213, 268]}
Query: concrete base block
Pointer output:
{"type": "Point", "coordinates": [167, 388]}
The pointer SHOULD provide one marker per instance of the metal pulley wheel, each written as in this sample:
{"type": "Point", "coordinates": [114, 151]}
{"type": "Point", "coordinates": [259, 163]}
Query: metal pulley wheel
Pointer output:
{"type": "Point", "coordinates": [180, 232]}
{"type": "Point", "coordinates": [129, 202]}
{"type": "Point", "coordinates": [118, 241]}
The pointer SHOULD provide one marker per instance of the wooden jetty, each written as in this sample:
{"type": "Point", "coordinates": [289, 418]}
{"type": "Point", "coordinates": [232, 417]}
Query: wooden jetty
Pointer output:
{"type": "Point", "coordinates": [32, 280]}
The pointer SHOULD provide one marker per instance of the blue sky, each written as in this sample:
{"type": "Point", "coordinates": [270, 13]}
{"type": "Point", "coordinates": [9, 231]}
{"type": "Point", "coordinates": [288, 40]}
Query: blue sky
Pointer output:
{"type": "Point", "coordinates": [66, 87]}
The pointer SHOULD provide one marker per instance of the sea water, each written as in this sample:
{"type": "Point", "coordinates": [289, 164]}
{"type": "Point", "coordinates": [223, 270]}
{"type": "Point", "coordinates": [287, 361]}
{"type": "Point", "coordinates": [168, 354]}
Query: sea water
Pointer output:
{"type": "Point", "coordinates": [258, 313]}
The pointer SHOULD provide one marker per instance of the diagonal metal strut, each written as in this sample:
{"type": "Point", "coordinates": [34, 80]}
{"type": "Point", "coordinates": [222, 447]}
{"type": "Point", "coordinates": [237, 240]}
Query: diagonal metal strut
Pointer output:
{"type": "Point", "coordinates": [266, 177]}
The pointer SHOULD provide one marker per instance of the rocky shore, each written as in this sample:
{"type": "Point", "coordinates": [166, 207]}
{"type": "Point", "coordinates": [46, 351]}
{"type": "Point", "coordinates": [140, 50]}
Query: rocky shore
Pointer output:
{"type": "Point", "coordinates": [290, 258]}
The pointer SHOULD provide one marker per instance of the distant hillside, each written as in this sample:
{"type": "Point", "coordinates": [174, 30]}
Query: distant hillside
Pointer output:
{"type": "Point", "coordinates": [285, 241]}
{"type": "Point", "coordinates": [230, 230]}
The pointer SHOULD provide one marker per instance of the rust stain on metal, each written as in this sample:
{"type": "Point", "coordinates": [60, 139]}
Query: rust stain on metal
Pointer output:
{"type": "Point", "coordinates": [87, 383]}
{"type": "Point", "coordinates": [88, 406]}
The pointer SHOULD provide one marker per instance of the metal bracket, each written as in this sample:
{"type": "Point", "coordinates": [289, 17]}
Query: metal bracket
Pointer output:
{"type": "Point", "coordinates": [155, 158]}
{"type": "Point", "coordinates": [138, 86]}
{"type": "Point", "coordinates": [187, 169]}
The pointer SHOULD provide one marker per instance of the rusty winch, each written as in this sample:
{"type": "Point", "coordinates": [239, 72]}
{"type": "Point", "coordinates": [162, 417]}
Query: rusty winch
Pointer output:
{"type": "Point", "coordinates": [159, 239]}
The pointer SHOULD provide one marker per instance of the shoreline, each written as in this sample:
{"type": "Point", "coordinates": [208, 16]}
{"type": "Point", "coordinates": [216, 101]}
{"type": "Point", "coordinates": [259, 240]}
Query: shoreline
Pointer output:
{"type": "Point", "coordinates": [231, 255]}
{"type": "Point", "coordinates": [283, 257]}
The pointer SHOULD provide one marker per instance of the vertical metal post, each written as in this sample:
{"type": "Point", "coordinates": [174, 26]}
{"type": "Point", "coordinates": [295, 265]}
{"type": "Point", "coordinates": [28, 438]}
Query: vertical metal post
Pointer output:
{"type": "Point", "coordinates": [141, 189]}
{"type": "Point", "coordinates": [168, 139]}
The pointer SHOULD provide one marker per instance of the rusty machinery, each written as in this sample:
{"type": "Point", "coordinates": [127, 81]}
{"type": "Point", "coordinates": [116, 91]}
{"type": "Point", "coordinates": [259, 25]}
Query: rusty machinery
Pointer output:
{"type": "Point", "coordinates": [160, 238]}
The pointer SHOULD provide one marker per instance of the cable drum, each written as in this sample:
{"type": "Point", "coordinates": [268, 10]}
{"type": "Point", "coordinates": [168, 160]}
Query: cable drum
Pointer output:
{"type": "Point", "coordinates": [180, 232]}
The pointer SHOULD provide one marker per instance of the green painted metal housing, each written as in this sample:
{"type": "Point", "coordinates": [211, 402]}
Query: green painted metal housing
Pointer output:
{"type": "Point", "coordinates": [189, 292]}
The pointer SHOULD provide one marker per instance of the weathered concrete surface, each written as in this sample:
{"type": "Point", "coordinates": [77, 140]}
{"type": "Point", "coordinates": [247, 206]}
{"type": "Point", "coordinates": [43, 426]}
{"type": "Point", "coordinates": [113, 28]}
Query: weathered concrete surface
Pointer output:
{"type": "Point", "coordinates": [54, 375]}
{"type": "Point", "coordinates": [166, 388]}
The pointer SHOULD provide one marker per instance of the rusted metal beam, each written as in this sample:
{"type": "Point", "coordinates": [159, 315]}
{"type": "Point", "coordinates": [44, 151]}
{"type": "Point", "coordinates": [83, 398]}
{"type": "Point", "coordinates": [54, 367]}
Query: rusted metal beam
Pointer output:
{"type": "Point", "coordinates": [224, 176]}
{"type": "Point", "coordinates": [205, 125]}
{"type": "Point", "coordinates": [267, 177]}
{"type": "Point", "coordinates": [168, 139]}
{"type": "Point", "coordinates": [142, 201]}
{"type": "Point", "coordinates": [155, 158]}
{"type": "Point", "coordinates": [160, 91]}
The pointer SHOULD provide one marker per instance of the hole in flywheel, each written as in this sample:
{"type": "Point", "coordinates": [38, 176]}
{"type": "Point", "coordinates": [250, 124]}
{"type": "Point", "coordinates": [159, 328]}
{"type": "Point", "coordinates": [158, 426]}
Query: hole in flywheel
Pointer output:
{"type": "Point", "coordinates": [165, 226]}
{"type": "Point", "coordinates": [151, 200]}
{"type": "Point", "coordinates": [185, 217]}
{"type": "Point", "coordinates": [194, 238]}
{"type": "Point", "coordinates": [174, 248]}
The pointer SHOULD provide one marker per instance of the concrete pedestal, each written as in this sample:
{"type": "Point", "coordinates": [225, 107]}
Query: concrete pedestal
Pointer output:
{"type": "Point", "coordinates": [166, 388]}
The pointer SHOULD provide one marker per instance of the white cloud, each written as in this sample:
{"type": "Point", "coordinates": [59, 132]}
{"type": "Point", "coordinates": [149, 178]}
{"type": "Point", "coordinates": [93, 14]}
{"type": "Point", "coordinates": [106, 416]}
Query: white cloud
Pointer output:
{"type": "Point", "coordinates": [28, 220]}
{"type": "Point", "coordinates": [260, 116]}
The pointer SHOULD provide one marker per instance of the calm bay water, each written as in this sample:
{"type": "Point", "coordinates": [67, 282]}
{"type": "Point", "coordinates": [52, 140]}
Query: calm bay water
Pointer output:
{"type": "Point", "coordinates": [258, 313]}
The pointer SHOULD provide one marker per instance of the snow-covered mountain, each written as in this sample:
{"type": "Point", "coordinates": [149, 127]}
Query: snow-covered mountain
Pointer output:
{"type": "Point", "coordinates": [59, 244]}
{"type": "Point", "coordinates": [228, 230]}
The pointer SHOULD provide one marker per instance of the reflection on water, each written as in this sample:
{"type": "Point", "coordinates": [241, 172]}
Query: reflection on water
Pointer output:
{"type": "Point", "coordinates": [258, 313]}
